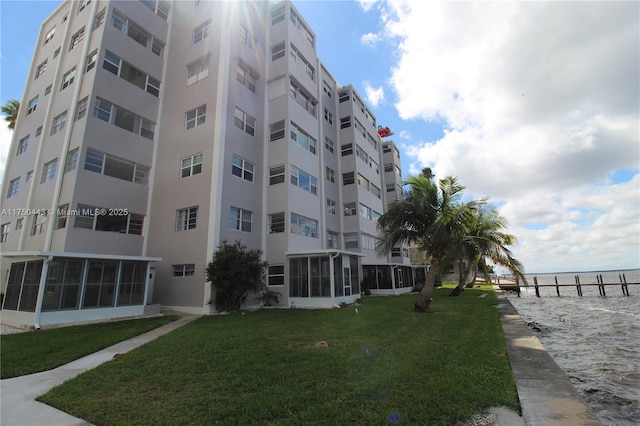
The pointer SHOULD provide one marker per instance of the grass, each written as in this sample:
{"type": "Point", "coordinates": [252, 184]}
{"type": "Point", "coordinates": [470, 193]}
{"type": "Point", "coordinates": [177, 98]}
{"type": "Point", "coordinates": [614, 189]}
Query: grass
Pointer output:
{"type": "Point", "coordinates": [263, 368]}
{"type": "Point", "coordinates": [41, 350]}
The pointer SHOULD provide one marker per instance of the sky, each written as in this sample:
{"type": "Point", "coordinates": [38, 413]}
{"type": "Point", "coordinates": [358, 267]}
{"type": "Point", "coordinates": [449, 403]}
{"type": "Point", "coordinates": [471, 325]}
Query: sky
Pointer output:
{"type": "Point", "coordinates": [532, 104]}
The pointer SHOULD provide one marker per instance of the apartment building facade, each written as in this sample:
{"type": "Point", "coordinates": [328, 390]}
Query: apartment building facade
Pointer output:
{"type": "Point", "coordinates": [151, 131]}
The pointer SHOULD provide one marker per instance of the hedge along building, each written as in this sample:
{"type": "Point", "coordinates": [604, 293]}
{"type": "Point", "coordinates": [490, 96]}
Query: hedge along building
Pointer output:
{"type": "Point", "coordinates": [151, 131]}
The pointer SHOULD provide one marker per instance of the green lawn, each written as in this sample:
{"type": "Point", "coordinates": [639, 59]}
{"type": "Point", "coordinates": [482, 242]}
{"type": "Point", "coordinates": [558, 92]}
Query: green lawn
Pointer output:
{"type": "Point", "coordinates": [41, 350]}
{"type": "Point", "coordinates": [384, 362]}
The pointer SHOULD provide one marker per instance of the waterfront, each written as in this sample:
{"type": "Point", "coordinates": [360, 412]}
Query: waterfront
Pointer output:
{"type": "Point", "coordinates": [594, 339]}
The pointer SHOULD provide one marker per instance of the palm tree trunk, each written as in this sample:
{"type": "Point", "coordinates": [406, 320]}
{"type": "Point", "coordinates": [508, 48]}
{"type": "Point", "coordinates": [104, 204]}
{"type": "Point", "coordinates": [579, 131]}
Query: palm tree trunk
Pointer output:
{"type": "Point", "coordinates": [422, 305]}
{"type": "Point", "coordinates": [462, 278]}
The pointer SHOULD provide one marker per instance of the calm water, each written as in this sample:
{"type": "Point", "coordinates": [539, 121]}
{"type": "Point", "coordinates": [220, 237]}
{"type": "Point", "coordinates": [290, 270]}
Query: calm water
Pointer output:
{"type": "Point", "coordinates": [594, 339]}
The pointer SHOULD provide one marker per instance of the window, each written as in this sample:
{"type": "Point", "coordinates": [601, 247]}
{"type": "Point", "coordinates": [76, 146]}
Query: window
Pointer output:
{"type": "Point", "coordinates": [160, 8]}
{"type": "Point", "coordinates": [362, 154]}
{"type": "Point", "coordinates": [276, 175]}
{"type": "Point", "coordinates": [345, 122]}
{"type": "Point", "coordinates": [275, 275]}
{"type": "Point", "coordinates": [245, 36]}
{"type": "Point", "coordinates": [372, 140]}
{"type": "Point", "coordinates": [37, 227]}
{"type": "Point", "coordinates": [304, 226]}
{"type": "Point", "coordinates": [276, 223]}
{"type": "Point", "coordinates": [343, 96]}
{"type": "Point", "coordinates": [91, 61]}
{"type": "Point", "coordinates": [97, 219]}
{"type": "Point", "coordinates": [277, 51]}
{"type": "Point", "coordinates": [326, 88]}
{"type": "Point", "coordinates": [29, 176]}
{"type": "Point", "coordinates": [244, 121]}
{"type": "Point", "coordinates": [277, 15]}
{"type": "Point", "coordinates": [81, 5]}
{"type": "Point", "coordinates": [388, 167]}
{"type": "Point", "coordinates": [23, 144]}
{"type": "Point", "coordinates": [67, 78]}
{"type": "Point", "coordinates": [32, 105]}
{"type": "Point", "coordinates": [48, 89]}
{"type": "Point", "coordinates": [391, 187]}
{"type": "Point", "coordinates": [242, 168]}
{"type": "Point", "coordinates": [98, 162]}
{"type": "Point", "coordinates": [398, 171]}
{"type": "Point", "coordinates": [76, 38]}
{"type": "Point", "coordinates": [302, 27]}
{"type": "Point", "coordinates": [13, 187]}
{"type": "Point", "coordinates": [186, 218]}
{"type": "Point", "coordinates": [329, 144]}
{"type": "Point", "coordinates": [332, 240]}
{"type": "Point", "coordinates": [71, 161]}
{"type": "Point", "coordinates": [330, 174]}
{"type": "Point", "coordinates": [396, 252]}
{"type": "Point", "coordinates": [133, 75]}
{"type": "Point", "coordinates": [365, 212]}
{"type": "Point", "coordinates": [195, 117]}
{"type": "Point", "coordinates": [123, 24]}
{"type": "Point", "coordinates": [56, 53]}
{"type": "Point", "coordinates": [368, 242]}
{"type": "Point", "coordinates": [38, 131]}
{"type": "Point", "coordinates": [360, 128]}
{"type": "Point", "coordinates": [19, 223]}
{"type": "Point", "coordinates": [302, 138]}
{"type": "Point", "coordinates": [303, 98]}
{"type": "Point", "coordinates": [375, 166]}
{"type": "Point", "coordinates": [201, 31]}
{"type": "Point", "coordinates": [41, 69]}
{"type": "Point", "coordinates": [347, 149]}
{"type": "Point", "coordinates": [328, 116]}
{"type": "Point", "coordinates": [386, 148]}
{"type": "Point", "coordinates": [363, 182]}
{"type": "Point", "coordinates": [62, 213]}
{"type": "Point", "coordinates": [106, 111]}
{"type": "Point", "coordinates": [49, 35]}
{"type": "Point", "coordinates": [276, 130]}
{"type": "Point", "coordinates": [187, 270]}
{"type": "Point", "coordinates": [191, 165]}
{"type": "Point", "coordinates": [246, 76]}
{"type": "Point", "coordinates": [49, 171]}
{"type": "Point", "coordinates": [58, 123]}
{"type": "Point", "coordinates": [351, 241]}
{"type": "Point", "coordinates": [4, 232]}
{"type": "Point", "coordinates": [198, 70]}
{"type": "Point", "coordinates": [350, 209]}
{"type": "Point", "coordinates": [298, 57]}
{"type": "Point", "coordinates": [375, 191]}
{"type": "Point", "coordinates": [348, 178]}
{"type": "Point", "coordinates": [331, 206]}
{"type": "Point", "coordinates": [99, 20]}
{"type": "Point", "coordinates": [304, 180]}
{"type": "Point", "coordinates": [240, 219]}
{"type": "Point", "coordinates": [81, 108]}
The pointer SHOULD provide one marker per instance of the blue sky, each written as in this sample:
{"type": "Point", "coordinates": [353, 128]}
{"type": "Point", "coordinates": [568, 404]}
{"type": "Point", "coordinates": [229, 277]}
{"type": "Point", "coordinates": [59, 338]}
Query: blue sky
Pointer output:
{"type": "Point", "coordinates": [534, 104]}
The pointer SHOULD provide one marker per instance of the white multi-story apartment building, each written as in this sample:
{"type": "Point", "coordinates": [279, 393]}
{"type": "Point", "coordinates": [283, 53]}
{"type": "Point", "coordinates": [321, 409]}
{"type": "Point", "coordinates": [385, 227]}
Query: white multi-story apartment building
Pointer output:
{"type": "Point", "coordinates": [151, 131]}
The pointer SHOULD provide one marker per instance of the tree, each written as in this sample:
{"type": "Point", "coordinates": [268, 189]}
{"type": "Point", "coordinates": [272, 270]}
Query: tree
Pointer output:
{"type": "Point", "coordinates": [430, 215]}
{"type": "Point", "coordinates": [235, 272]}
{"type": "Point", "coordinates": [484, 239]}
{"type": "Point", "coordinates": [10, 112]}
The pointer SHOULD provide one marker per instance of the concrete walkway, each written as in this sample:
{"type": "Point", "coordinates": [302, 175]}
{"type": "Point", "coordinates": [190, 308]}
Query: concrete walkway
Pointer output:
{"type": "Point", "coordinates": [17, 401]}
{"type": "Point", "coordinates": [547, 397]}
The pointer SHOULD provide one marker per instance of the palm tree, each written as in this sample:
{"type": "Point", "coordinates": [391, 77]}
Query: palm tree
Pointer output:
{"type": "Point", "coordinates": [430, 215]}
{"type": "Point", "coordinates": [484, 239]}
{"type": "Point", "coordinates": [10, 112]}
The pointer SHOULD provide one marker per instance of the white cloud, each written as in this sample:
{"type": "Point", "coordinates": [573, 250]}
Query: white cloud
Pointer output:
{"type": "Point", "coordinates": [539, 103]}
{"type": "Point", "coordinates": [366, 5]}
{"type": "Point", "coordinates": [374, 95]}
{"type": "Point", "coordinates": [370, 39]}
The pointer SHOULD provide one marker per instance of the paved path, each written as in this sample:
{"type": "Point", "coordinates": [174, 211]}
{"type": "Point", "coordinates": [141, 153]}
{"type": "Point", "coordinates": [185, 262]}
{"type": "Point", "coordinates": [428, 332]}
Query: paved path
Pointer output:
{"type": "Point", "coordinates": [17, 403]}
{"type": "Point", "coordinates": [547, 397]}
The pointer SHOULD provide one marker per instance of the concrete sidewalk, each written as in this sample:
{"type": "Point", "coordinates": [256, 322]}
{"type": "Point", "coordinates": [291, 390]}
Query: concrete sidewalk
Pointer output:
{"type": "Point", "coordinates": [17, 401]}
{"type": "Point", "coordinates": [547, 397]}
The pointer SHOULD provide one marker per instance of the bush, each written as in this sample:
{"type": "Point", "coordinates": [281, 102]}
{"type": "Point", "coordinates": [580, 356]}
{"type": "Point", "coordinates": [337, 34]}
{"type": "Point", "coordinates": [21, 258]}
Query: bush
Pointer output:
{"type": "Point", "coordinates": [235, 272]}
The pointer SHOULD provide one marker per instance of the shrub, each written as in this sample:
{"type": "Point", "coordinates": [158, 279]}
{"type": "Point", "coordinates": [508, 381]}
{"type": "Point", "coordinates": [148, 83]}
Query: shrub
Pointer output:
{"type": "Point", "coordinates": [235, 272]}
